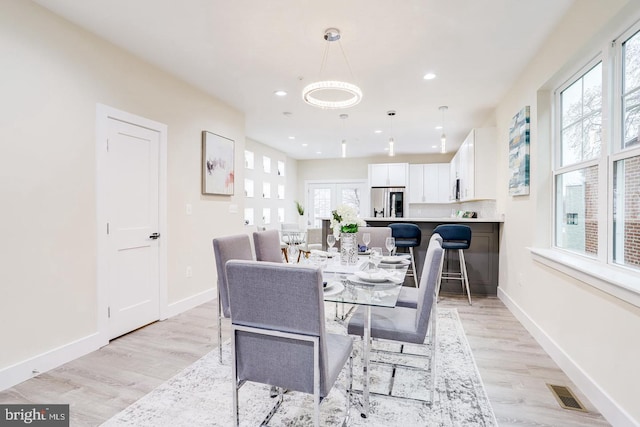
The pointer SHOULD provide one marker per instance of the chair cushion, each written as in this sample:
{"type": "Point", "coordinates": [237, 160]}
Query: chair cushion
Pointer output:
{"type": "Point", "coordinates": [455, 245]}
{"type": "Point", "coordinates": [407, 243]}
{"type": "Point", "coordinates": [408, 297]}
{"type": "Point", "coordinates": [406, 234]}
{"type": "Point", "coordinates": [397, 324]}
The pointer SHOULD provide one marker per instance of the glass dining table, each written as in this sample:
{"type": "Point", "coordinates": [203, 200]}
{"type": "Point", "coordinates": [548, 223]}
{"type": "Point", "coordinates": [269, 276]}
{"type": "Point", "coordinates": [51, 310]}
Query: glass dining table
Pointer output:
{"type": "Point", "coordinates": [348, 284]}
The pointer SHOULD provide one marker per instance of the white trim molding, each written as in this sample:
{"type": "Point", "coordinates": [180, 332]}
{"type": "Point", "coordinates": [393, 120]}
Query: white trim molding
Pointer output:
{"type": "Point", "coordinates": [191, 302]}
{"type": "Point", "coordinates": [608, 407]}
{"type": "Point", "coordinates": [50, 359]}
{"type": "Point", "coordinates": [619, 282]}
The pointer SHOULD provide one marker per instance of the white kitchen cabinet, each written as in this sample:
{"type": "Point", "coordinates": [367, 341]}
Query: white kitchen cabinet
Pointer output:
{"type": "Point", "coordinates": [388, 174]}
{"type": "Point", "coordinates": [429, 183]}
{"type": "Point", "coordinates": [475, 165]}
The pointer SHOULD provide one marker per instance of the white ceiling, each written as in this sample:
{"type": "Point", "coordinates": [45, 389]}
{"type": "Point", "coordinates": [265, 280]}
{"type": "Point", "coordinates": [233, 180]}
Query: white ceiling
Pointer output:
{"type": "Point", "coordinates": [241, 51]}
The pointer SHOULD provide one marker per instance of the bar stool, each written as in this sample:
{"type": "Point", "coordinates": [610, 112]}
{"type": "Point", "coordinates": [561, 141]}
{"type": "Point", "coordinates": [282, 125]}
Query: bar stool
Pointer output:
{"type": "Point", "coordinates": [455, 237]}
{"type": "Point", "coordinates": [407, 236]}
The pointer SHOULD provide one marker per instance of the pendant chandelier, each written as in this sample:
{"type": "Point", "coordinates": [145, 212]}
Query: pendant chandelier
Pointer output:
{"type": "Point", "coordinates": [443, 137]}
{"type": "Point", "coordinates": [343, 145]}
{"type": "Point", "coordinates": [319, 94]}
{"type": "Point", "coordinates": [392, 142]}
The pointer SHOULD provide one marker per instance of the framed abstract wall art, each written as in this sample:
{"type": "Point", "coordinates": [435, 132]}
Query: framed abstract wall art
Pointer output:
{"type": "Point", "coordinates": [217, 164]}
{"type": "Point", "coordinates": [519, 154]}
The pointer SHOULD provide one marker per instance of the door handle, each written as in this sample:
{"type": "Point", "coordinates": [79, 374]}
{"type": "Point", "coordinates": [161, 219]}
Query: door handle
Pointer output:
{"type": "Point", "coordinates": [154, 236]}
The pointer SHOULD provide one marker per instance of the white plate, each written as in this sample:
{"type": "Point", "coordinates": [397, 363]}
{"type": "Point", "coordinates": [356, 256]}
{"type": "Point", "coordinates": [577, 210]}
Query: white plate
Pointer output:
{"type": "Point", "coordinates": [392, 259]}
{"type": "Point", "coordinates": [333, 288]}
{"type": "Point", "coordinates": [325, 253]}
{"type": "Point", "coordinates": [373, 277]}
{"type": "Point", "coordinates": [378, 285]}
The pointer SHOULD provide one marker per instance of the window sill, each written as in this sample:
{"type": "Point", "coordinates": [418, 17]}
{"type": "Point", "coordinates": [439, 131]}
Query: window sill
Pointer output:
{"type": "Point", "coordinates": [618, 282]}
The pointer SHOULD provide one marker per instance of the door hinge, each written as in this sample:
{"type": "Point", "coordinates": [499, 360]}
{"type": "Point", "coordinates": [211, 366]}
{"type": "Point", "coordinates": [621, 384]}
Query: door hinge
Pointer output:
{"type": "Point", "coordinates": [107, 145]}
{"type": "Point", "coordinates": [107, 228]}
{"type": "Point", "coordinates": [109, 312]}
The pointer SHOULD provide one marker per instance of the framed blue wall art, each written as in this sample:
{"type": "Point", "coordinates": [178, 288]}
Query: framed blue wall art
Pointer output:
{"type": "Point", "coordinates": [519, 154]}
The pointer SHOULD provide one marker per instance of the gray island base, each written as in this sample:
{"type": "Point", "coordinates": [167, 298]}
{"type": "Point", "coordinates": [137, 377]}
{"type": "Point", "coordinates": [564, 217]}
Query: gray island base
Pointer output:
{"type": "Point", "coordinates": [482, 257]}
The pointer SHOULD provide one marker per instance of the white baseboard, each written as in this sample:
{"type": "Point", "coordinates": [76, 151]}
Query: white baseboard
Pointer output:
{"type": "Point", "coordinates": [29, 368]}
{"type": "Point", "coordinates": [614, 414]}
{"type": "Point", "coordinates": [191, 302]}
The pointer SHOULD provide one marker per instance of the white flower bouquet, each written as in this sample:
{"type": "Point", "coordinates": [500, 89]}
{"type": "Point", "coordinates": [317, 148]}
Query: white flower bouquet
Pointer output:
{"type": "Point", "coordinates": [345, 220]}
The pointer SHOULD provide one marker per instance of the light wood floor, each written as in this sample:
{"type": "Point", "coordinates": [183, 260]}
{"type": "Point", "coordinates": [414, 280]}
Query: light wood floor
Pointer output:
{"type": "Point", "coordinates": [514, 368]}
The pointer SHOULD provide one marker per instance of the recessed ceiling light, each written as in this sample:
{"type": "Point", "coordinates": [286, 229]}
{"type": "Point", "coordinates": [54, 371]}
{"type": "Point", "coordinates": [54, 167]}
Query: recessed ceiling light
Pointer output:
{"type": "Point", "coordinates": [434, 146]}
{"type": "Point", "coordinates": [429, 76]}
{"type": "Point", "coordinates": [377, 131]}
{"type": "Point", "coordinates": [318, 152]}
{"type": "Point", "coordinates": [305, 144]}
{"type": "Point", "coordinates": [292, 137]}
{"type": "Point", "coordinates": [280, 93]}
{"type": "Point", "coordinates": [438, 127]}
{"type": "Point", "coordinates": [386, 148]}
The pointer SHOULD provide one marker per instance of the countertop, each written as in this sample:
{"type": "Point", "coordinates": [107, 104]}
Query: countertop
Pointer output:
{"type": "Point", "coordinates": [435, 219]}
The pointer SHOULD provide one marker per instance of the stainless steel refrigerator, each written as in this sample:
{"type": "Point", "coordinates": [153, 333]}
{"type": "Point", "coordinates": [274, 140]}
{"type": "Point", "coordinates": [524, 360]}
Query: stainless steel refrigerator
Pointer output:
{"type": "Point", "coordinates": [387, 202]}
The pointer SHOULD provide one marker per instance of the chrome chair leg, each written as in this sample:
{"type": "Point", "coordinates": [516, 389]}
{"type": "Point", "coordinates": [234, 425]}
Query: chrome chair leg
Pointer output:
{"type": "Point", "coordinates": [463, 272]}
{"type": "Point", "coordinates": [219, 328]}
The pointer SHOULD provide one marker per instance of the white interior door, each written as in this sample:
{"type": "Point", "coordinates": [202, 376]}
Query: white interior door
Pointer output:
{"type": "Point", "coordinates": [132, 210]}
{"type": "Point", "coordinates": [323, 197]}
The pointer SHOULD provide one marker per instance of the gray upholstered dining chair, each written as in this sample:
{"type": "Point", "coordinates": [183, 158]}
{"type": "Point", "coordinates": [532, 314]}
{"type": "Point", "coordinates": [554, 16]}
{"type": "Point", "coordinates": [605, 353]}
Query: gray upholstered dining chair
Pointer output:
{"type": "Point", "coordinates": [225, 249]}
{"type": "Point", "coordinates": [268, 246]}
{"type": "Point", "coordinates": [278, 332]}
{"type": "Point", "coordinates": [408, 325]}
{"type": "Point", "coordinates": [312, 241]}
{"type": "Point", "coordinates": [409, 296]}
{"type": "Point", "coordinates": [378, 236]}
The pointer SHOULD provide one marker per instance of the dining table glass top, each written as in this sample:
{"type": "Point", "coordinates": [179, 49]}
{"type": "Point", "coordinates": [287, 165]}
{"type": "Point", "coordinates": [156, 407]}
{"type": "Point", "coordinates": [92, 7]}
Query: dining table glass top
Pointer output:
{"type": "Point", "coordinates": [363, 284]}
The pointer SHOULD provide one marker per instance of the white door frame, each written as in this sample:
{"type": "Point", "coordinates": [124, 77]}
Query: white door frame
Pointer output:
{"type": "Point", "coordinates": [103, 114]}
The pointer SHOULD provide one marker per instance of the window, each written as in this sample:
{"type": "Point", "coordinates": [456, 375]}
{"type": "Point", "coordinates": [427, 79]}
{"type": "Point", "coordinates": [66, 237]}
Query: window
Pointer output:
{"type": "Point", "coordinates": [266, 164]}
{"type": "Point", "coordinates": [597, 157]}
{"type": "Point", "coordinates": [248, 216]}
{"type": "Point", "coordinates": [248, 159]}
{"type": "Point", "coordinates": [248, 187]}
{"type": "Point", "coordinates": [266, 216]}
{"type": "Point", "coordinates": [631, 91]}
{"type": "Point", "coordinates": [577, 173]}
{"type": "Point", "coordinates": [626, 159]}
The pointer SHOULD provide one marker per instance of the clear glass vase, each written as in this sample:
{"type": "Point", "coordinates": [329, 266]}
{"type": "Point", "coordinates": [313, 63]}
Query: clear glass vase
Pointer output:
{"type": "Point", "coordinates": [348, 249]}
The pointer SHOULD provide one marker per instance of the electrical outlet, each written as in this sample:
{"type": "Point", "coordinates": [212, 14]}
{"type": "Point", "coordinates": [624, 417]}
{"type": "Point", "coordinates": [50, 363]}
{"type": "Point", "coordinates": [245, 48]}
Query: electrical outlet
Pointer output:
{"type": "Point", "coordinates": [189, 272]}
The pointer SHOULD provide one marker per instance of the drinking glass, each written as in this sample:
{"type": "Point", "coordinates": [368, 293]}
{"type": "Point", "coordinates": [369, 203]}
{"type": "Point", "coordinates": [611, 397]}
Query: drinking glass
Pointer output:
{"type": "Point", "coordinates": [375, 256]}
{"type": "Point", "coordinates": [331, 240]}
{"type": "Point", "coordinates": [292, 253]}
{"type": "Point", "coordinates": [390, 244]}
{"type": "Point", "coordinates": [366, 239]}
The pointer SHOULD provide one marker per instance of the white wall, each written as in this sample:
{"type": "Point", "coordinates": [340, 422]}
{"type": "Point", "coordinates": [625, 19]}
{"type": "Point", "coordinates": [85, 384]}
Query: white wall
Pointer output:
{"type": "Point", "coordinates": [592, 335]}
{"type": "Point", "coordinates": [53, 75]}
{"type": "Point", "coordinates": [355, 167]}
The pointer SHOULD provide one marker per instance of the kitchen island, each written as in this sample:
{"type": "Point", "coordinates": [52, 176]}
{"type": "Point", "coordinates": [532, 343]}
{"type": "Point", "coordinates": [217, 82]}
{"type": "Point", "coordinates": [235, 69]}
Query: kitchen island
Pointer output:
{"type": "Point", "coordinates": [482, 257]}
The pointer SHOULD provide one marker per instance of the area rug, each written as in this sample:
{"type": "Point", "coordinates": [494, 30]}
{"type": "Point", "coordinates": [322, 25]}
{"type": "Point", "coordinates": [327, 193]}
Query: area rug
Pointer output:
{"type": "Point", "coordinates": [201, 395]}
